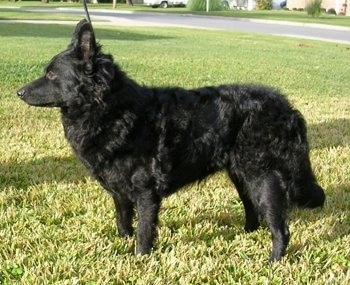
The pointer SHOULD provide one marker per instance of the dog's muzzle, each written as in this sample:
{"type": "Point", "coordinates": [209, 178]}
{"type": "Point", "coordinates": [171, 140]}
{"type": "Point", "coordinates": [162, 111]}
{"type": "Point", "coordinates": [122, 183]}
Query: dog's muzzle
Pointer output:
{"type": "Point", "coordinates": [21, 93]}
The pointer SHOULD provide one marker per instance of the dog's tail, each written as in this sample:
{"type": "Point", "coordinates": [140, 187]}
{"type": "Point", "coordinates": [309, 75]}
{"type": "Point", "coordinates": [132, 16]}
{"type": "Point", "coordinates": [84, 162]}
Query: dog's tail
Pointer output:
{"type": "Point", "coordinates": [311, 196]}
{"type": "Point", "coordinates": [307, 192]}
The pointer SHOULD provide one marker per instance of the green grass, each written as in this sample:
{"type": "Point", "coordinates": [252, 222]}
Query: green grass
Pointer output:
{"type": "Point", "coordinates": [276, 15]}
{"type": "Point", "coordinates": [57, 224]}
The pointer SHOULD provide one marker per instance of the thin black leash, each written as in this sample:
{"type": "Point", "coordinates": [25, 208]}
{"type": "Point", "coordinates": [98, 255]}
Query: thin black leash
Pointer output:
{"type": "Point", "coordinates": [87, 12]}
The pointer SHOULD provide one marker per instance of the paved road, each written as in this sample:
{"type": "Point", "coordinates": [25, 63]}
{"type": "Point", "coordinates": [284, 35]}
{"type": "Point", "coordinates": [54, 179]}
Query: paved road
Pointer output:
{"type": "Point", "coordinates": [310, 31]}
{"type": "Point", "coordinates": [321, 32]}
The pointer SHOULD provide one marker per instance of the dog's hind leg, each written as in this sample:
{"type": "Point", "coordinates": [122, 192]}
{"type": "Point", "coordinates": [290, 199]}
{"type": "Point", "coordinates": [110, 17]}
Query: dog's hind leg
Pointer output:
{"type": "Point", "coordinates": [268, 193]}
{"type": "Point", "coordinates": [124, 214]}
{"type": "Point", "coordinates": [251, 215]}
{"type": "Point", "coordinates": [148, 205]}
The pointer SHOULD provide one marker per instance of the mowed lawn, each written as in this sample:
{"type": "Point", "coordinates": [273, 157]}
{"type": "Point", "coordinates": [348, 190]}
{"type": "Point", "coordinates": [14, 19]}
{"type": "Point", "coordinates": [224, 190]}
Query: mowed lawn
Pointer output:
{"type": "Point", "coordinates": [57, 225]}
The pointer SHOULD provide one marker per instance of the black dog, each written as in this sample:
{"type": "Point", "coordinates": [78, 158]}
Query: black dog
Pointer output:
{"type": "Point", "coordinates": [143, 144]}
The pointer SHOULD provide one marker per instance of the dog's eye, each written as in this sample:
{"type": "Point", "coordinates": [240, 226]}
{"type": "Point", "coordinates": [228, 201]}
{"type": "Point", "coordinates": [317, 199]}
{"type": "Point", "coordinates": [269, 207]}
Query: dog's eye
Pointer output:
{"type": "Point", "coordinates": [50, 75]}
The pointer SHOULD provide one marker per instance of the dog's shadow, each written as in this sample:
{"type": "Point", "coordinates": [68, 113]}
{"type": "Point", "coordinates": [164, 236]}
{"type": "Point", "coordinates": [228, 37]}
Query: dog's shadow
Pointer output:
{"type": "Point", "coordinates": [334, 133]}
{"type": "Point", "coordinates": [227, 223]}
{"type": "Point", "coordinates": [65, 31]}
{"type": "Point", "coordinates": [22, 175]}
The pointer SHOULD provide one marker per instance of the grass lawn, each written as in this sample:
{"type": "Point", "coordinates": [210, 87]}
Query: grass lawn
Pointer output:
{"type": "Point", "coordinates": [57, 224]}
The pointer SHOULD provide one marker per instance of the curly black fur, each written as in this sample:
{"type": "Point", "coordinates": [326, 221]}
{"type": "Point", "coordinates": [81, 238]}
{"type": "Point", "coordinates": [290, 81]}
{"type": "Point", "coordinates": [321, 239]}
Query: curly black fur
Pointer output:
{"type": "Point", "coordinates": [143, 143]}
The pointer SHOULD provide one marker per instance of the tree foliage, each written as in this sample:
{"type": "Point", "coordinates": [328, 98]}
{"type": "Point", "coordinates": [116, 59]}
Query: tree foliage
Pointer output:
{"type": "Point", "coordinates": [200, 5]}
{"type": "Point", "coordinates": [264, 4]}
{"type": "Point", "coordinates": [313, 8]}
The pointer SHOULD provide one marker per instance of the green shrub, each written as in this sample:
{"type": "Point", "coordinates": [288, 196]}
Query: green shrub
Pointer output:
{"type": "Point", "coordinates": [331, 11]}
{"type": "Point", "coordinates": [264, 4]}
{"type": "Point", "coordinates": [313, 8]}
{"type": "Point", "coordinates": [200, 5]}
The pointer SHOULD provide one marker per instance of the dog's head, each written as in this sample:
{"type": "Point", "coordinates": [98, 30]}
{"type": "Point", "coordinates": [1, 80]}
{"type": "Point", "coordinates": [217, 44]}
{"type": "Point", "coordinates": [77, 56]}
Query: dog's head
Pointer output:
{"type": "Point", "coordinates": [74, 74]}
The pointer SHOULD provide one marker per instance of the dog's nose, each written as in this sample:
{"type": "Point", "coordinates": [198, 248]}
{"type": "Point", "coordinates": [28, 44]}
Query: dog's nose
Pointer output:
{"type": "Point", "coordinates": [21, 93]}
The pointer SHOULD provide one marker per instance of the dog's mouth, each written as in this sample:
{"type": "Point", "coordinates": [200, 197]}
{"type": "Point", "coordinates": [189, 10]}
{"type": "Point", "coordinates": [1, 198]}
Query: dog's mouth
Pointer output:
{"type": "Point", "coordinates": [44, 105]}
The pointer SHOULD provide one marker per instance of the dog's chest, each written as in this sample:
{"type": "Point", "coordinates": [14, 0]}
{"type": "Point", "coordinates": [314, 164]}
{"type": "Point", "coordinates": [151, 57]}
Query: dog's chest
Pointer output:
{"type": "Point", "coordinates": [119, 158]}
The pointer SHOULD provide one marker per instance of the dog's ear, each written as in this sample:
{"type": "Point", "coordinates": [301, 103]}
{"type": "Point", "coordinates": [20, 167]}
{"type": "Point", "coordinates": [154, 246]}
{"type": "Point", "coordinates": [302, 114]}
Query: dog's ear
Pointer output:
{"type": "Point", "coordinates": [83, 42]}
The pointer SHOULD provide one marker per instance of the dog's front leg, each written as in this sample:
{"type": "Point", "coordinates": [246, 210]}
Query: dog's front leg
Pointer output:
{"type": "Point", "coordinates": [124, 214]}
{"type": "Point", "coordinates": [148, 205]}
